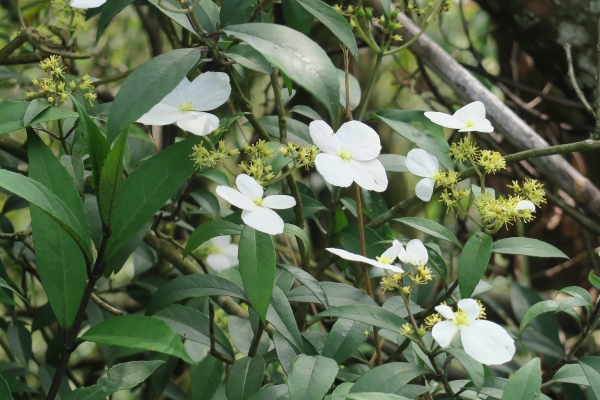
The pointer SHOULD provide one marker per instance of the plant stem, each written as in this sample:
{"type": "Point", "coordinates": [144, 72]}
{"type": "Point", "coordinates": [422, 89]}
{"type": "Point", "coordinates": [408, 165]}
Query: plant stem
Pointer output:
{"type": "Point", "coordinates": [256, 339]}
{"type": "Point", "coordinates": [365, 100]}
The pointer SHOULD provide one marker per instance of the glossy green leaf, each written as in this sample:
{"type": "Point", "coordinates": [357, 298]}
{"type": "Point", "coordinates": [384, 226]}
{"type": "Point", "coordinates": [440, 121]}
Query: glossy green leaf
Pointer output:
{"type": "Point", "coordinates": [372, 315]}
{"type": "Point", "coordinates": [111, 179]}
{"type": "Point", "coordinates": [594, 280]}
{"type": "Point", "coordinates": [242, 333]}
{"type": "Point", "coordinates": [126, 376]}
{"type": "Point", "coordinates": [216, 176]}
{"type": "Point", "coordinates": [209, 230]}
{"type": "Point", "coordinates": [179, 18]}
{"type": "Point", "coordinates": [296, 17]}
{"type": "Point", "coordinates": [571, 373]}
{"type": "Point", "coordinates": [297, 131]}
{"type": "Point", "coordinates": [207, 13]}
{"type": "Point", "coordinates": [577, 291]}
{"type": "Point", "coordinates": [374, 396]}
{"type": "Point", "coordinates": [110, 9]}
{"type": "Point", "coordinates": [96, 142]}
{"type": "Point", "coordinates": [387, 378]}
{"type": "Point", "coordinates": [311, 377]}
{"type": "Point", "coordinates": [19, 339]}
{"type": "Point", "coordinates": [473, 262]}
{"type": "Point", "coordinates": [185, 287]}
{"type": "Point", "coordinates": [5, 285]}
{"type": "Point", "coordinates": [193, 325]}
{"type": "Point", "coordinates": [338, 294]}
{"type": "Point", "coordinates": [94, 392]}
{"type": "Point", "coordinates": [147, 189]}
{"type": "Point", "coordinates": [349, 239]}
{"type": "Point", "coordinates": [591, 369]}
{"type": "Point", "coordinates": [307, 112]}
{"type": "Point", "coordinates": [525, 383]}
{"type": "Point", "coordinates": [308, 281]}
{"type": "Point", "coordinates": [207, 201]}
{"type": "Point", "coordinates": [205, 378]}
{"type": "Point", "coordinates": [273, 392]}
{"type": "Point", "coordinates": [473, 368]}
{"type": "Point", "coordinates": [526, 247]}
{"type": "Point", "coordinates": [333, 20]}
{"type": "Point", "coordinates": [344, 338]}
{"type": "Point", "coordinates": [35, 108]}
{"type": "Point", "coordinates": [245, 378]}
{"type": "Point", "coordinates": [257, 268]}
{"type": "Point", "coordinates": [138, 332]}
{"type": "Point", "coordinates": [248, 57]}
{"type": "Point", "coordinates": [147, 85]}
{"type": "Point", "coordinates": [12, 114]}
{"type": "Point", "coordinates": [536, 310]}
{"type": "Point", "coordinates": [232, 8]}
{"type": "Point", "coordinates": [301, 59]}
{"type": "Point", "coordinates": [572, 302]}
{"type": "Point", "coordinates": [299, 233]}
{"type": "Point", "coordinates": [281, 316]}
{"type": "Point", "coordinates": [431, 228]}
{"type": "Point", "coordinates": [285, 351]}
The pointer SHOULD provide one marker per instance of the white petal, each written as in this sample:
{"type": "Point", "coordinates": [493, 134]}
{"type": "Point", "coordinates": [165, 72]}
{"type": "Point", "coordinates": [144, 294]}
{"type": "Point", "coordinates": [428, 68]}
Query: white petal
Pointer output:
{"type": "Point", "coordinates": [402, 255]}
{"type": "Point", "coordinates": [220, 241]}
{"type": "Point", "coordinates": [177, 97]}
{"type": "Point", "coordinates": [324, 138]}
{"type": "Point", "coordinates": [417, 251]}
{"type": "Point", "coordinates": [469, 306]}
{"type": "Point", "coordinates": [479, 126]}
{"type": "Point", "coordinates": [208, 91]}
{"type": "Point", "coordinates": [86, 3]}
{"type": "Point", "coordinates": [249, 187]}
{"type": "Point", "coordinates": [444, 120]}
{"type": "Point", "coordinates": [390, 267]}
{"type": "Point", "coordinates": [160, 114]}
{"type": "Point", "coordinates": [421, 163]}
{"type": "Point", "coordinates": [473, 112]}
{"type": "Point", "coordinates": [445, 312]}
{"type": "Point", "coordinates": [525, 205]}
{"type": "Point", "coordinates": [279, 202]}
{"type": "Point", "coordinates": [263, 219]}
{"type": "Point", "coordinates": [424, 189]}
{"type": "Point", "coordinates": [235, 198]}
{"type": "Point", "coordinates": [369, 175]}
{"type": "Point", "coordinates": [346, 255]}
{"type": "Point", "coordinates": [231, 252]}
{"type": "Point", "coordinates": [218, 262]}
{"type": "Point", "coordinates": [360, 140]}
{"type": "Point", "coordinates": [445, 332]}
{"type": "Point", "coordinates": [392, 252]}
{"type": "Point", "coordinates": [198, 123]}
{"type": "Point", "coordinates": [335, 171]}
{"type": "Point", "coordinates": [487, 342]}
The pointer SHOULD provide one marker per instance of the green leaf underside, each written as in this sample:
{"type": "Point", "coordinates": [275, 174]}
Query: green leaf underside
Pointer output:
{"type": "Point", "coordinates": [299, 233]}
{"type": "Point", "coordinates": [474, 368]}
{"type": "Point", "coordinates": [371, 315]}
{"type": "Point", "coordinates": [527, 247]}
{"type": "Point", "coordinates": [281, 316]}
{"type": "Point", "coordinates": [308, 281]}
{"type": "Point", "coordinates": [525, 383]}
{"type": "Point", "coordinates": [311, 377]}
{"type": "Point", "coordinates": [591, 369]}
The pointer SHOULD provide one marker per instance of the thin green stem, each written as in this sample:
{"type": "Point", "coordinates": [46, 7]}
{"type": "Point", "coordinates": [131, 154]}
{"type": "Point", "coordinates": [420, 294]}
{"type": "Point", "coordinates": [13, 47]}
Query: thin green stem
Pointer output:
{"type": "Point", "coordinates": [429, 20]}
{"type": "Point", "coordinates": [256, 339]}
{"type": "Point", "coordinates": [365, 100]}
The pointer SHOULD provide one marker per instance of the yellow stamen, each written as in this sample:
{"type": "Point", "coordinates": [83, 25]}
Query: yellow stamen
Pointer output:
{"type": "Point", "coordinates": [384, 260]}
{"type": "Point", "coordinates": [344, 154]}
{"type": "Point", "coordinates": [186, 107]}
{"type": "Point", "coordinates": [469, 124]}
{"type": "Point", "coordinates": [461, 318]}
{"type": "Point", "coordinates": [258, 201]}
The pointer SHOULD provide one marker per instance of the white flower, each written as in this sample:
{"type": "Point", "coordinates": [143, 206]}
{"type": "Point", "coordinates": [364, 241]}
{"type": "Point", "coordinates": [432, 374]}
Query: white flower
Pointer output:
{"type": "Point", "coordinates": [184, 106]}
{"type": "Point", "coordinates": [483, 340]}
{"type": "Point", "coordinates": [525, 205]}
{"type": "Point", "coordinates": [423, 164]}
{"type": "Point", "coordinates": [86, 3]}
{"type": "Point", "coordinates": [257, 212]}
{"type": "Point", "coordinates": [415, 253]}
{"type": "Point", "coordinates": [469, 118]}
{"type": "Point", "coordinates": [386, 261]}
{"type": "Point", "coordinates": [350, 155]}
{"type": "Point", "coordinates": [222, 254]}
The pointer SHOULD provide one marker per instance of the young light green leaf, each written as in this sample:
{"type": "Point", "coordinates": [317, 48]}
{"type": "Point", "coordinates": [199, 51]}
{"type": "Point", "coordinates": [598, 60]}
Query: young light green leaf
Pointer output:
{"type": "Point", "coordinates": [474, 368]}
{"type": "Point", "coordinates": [591, 369]}
{"type": "Point", "coordinates": [257, 268]}
{"type": "Point", "coordinates": [245, 378]}
{"type": "Point", "coordinates": [431, 228]}
{"type": "Point", "coordinates": [525, 383]}
{"type": "Point", "coordinates": [311, 377]}
{"type": "Point", "coordinates": [209, 230]}
{"type": "Point", "coordinates": [473, 262]}
{"type": "Point", "coordinates": [344, 338]}
{"type": "Point", "coordinates": [372, 315]}
{"type": "Point", "coordinates": [299, 233]}
{"type": "Point", "coordinates": [387, 378]}
{"type": "Point", "coordinates": [138, 332]}
{"type": "Point", "coordinates": [111, 179]}
{"type": "Point", "coordinates": [126, 376]}
{"type": "Point", "coordinates": [147, 85]}
{"type": "Point", "coordinates": [308, 281]}
{"type": "Point", "coordinates": [301, 59]}
{"type": "Point", "coordinates": [527, 247]}
{"type": "Point", "coordinates": [281, 316]}
{"type": "Point", "coordinates": [185, 287]}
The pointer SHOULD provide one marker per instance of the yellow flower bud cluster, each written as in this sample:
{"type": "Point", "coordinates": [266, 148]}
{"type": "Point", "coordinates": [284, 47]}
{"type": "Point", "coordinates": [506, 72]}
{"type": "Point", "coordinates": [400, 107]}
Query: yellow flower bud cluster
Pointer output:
{"type": "Point", "coordinates": [502, 211]}
{"type": "Point", "coordinates": [67, 17]}
{"type": "Point", "coordinates": [209, 158]}
{"type": "Point", "coordinates": [423, 275]}
{"type": "Point", "coordinates": [491, 161]}
{"type": "Point", "coordinates": [407, 329]}
{"type": "Point", "coordinates": [259, 166]}
{"type": "Point", "coordinates": [303, 156]}
{"type": "Point", "coordinates": [431, 320]}
{"type": "Point", "coordinates": [463, 150]}
{"type": "Point", "coordinates": [392, 282]}
{"type": "Point", "coordinates": [348, 11]}
{"type": "Point", "coordinates": [531, 190]}
{"type": "Point", "coordinates": [50, 36]}
{"type": "Point", "coordinates": [451, 197]}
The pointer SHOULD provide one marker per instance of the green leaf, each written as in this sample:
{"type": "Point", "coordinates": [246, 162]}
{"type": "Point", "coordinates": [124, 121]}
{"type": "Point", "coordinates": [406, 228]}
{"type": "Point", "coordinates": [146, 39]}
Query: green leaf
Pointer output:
{"type": "Point", "coordinates": [19, 339]}
{"type": "Point", "coordinates": [209, 230]}
{"type": "Point", "coordinates": [393, 162]}
{"type": "Point", "coordinates": [205, 378]}
{"type": "Point", "coordinates": [344, 338]}
{"type": "Point", "coordinates": [232, 8]}
{"type": "Point", "coordinates": [333, 20]}
{"type": "Point", "coordinates": [126, 376]}
{"type": "Point", "coordinates": [296, 17]}
{"type": "Point", "coordinates": [138, 332]}
{"type": "Point", "coordinates": [207, 201]}
{"type": "Point", "coordinates": [281, 316]}
{"type": "Point", "coordinates": [311, 377]}
{"type": "Point", "coordinates": [207, 13]}
{"type": "Point", "coordinates": [248, 57]}
{"type": "Point", "coordinates": [193, 325]}
{"type": "Point", "coordinates": [571, 373]}
{"type": "Point", "coordinates": [36, 106]}
{"type": "Point", "coordinates": [310, 206]}
{"type": "Point", "coordinates": [537, 309]}
{"type": "Point", "coordinates": [308, 281]}
{"type": "Point", "coordinates": [299, 233]}
{"type": "Point", "coordinates": [111, 179]}
{"type": "Point", "coordinates": [525, 383]}
{"type": "Point", "coordinates": [147, 85]}
{"type": "Point", "coordinates": [373, 396]}
{"type": "Point", "coordinates": [110, 9]}
{"type": "Point", "coordinates": [273, 392]}
{"type": "Point", "coordinates": [5, 285]}
{"type": "Point", "coordinates": [572, 302]}
{"type": "Point", "coordinates": [591, 369]}
{"type": "Point", "coordinates": [387, 378]}
{"type": "Point", "coordinates": [5, 390]}
{"type": "Point", "coordinates": [473, 262]}
{"type": "Point", "coordinates": [188, 286]}
{"type": "Point", "coordinates": [526, 247]}
{"type": "Point", "coordinates": [87, 393]}
{"type": "Point", "coordinates": [474, 368]}
{"type": "Point", "coordinates": [349, 239]}
{"type": "Point", "coordinates": [307, 112]}
{"type": "Point", "coordinates": [285, 352]}
{"type": "Point", "coordinates": [147, 189]}
{"type": "Point", "coordinates": [297, 131]}
{"type": "Point", "coordinates": [12, 114]}
{"type": "Point", "coordinates": [245, 378]}
{"type": "Point", "coordinates": [338, 294]}
{"type": "Point", "coordinates": [216, 176]}
{"type": "Point", "coordinates": [594, 280]}
{"type": "Point", "coordinates": [431, 228]}
{"type": "Point", "coordinates": [257, 268]}
{"type": "Point", "coordinates": [371, 315]}
{"type": "Point", "coordinates": [301, 59]}
{"type": "Point", "coordinates": [242, 334]}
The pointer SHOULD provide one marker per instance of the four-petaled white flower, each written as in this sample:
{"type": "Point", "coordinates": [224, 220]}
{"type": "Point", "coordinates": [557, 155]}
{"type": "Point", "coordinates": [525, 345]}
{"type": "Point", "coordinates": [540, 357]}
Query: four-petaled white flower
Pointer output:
{"type": "Point", "coordinates": [222, 254]}
{"type": "Point", "coordinates": [257, 211]}
{"type": "Point", "coordinates": [423, 164]}
{"type": "Point", "coordinates": [350, 155]}
{"type": "Point", "coordinates": [186, 104]}
{"type": "Point", "coordinates": [469, 118]}
{"type": "Point", "coordinates": [415, 253]}
{"type": "Point", "coordinates": [483, 340]}
{"type": "Point", "coordinates": [86, 3]}
{"type": "Point", "coordinates": [525, 205]}
{"type": "Point", "coordinates": [386, 261]}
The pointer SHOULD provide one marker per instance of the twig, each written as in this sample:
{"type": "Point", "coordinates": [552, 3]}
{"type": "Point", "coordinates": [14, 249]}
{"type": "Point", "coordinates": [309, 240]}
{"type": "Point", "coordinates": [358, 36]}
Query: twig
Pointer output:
{"type": "Point", "coordinates": [571, 74]}
{"type": "Point", "coordinates": [211, 330]}
{"type": "Point", "coordinates": [256, 339]}
{"type": "Point", "coordinates": [105, 306]}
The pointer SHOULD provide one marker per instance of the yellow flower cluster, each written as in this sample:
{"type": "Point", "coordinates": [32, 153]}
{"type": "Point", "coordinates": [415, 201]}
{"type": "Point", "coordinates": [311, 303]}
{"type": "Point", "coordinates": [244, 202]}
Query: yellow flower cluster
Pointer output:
{"type": "Point", "coordinates": [67, 17]}
{"type": "Point", "coordinates": [407, 329]}
{"type": "Point", "coordinates": [531, 190]}
{"type": "Point", "coordinates": [258, 166]}
{"type": "Point", "coordinates": [303, 156]}
{"type": "Point", "coordinates": [209, 158]}
{"type": "Point", "coordinates": [392, 282]}
{"type": "Point", "coordinates": [422, 276]}
{"type": "Point", "coordinates": [491, 161]}
{"type": "Point", "coordinates": [446, 179]}
{"type": "Point", "coordinates": [431, 320]}
{"type": "Point", "coordinates": [463, 150]}
{"type": "Point", "coordinates": [451, 197]}
{"type": "Point", "coordinates": [502, 211]}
